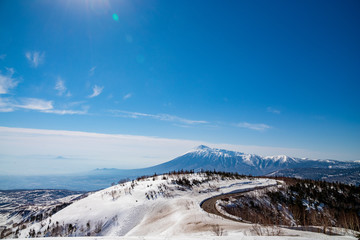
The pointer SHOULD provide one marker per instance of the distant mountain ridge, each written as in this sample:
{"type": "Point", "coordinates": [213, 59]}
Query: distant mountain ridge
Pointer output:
{"type": "Point", "coordinates": [197, 159]}
{"type": "Point", "coordinates": [344, 175]}
{"type": "Point", "coordinates": [206, 158]}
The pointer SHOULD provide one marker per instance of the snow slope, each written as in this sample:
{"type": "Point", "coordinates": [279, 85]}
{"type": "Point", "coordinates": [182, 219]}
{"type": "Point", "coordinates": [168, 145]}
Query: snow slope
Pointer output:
{"type": "Point", "coordinates": [154, 208]}
{"type": "Point", "coordinates": [235, 237]}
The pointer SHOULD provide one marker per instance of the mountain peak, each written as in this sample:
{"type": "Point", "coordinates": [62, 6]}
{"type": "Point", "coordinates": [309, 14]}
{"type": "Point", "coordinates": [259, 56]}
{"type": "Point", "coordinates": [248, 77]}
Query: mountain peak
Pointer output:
{"type": "Point", "coordinates": [208, 151]}
{"type": "Point", "coordinates": [202, 147]}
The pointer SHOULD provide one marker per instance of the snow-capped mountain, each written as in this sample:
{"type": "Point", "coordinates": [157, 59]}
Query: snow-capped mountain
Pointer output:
{"type": "Point", "coordinates": [205, 158]}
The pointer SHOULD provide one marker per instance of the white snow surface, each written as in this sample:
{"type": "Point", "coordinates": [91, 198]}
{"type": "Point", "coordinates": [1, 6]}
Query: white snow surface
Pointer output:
{"type": "Point", "coordinates": [169, 212]}
{"type": "Point", "coordinates": [205, 151]}
{"type": "Point", "coordinates": [237, 237]}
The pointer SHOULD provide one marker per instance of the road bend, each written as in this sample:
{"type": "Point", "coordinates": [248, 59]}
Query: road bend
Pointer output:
{"type": "Point", "coordinates": [209, 205]}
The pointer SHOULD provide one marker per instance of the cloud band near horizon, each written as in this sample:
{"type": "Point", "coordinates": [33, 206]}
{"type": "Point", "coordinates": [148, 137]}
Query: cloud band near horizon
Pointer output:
{"type": "Point", "coordinates": [37, 151]}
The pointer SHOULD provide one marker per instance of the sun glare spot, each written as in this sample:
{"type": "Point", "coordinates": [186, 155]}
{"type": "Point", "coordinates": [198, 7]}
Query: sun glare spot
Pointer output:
{"type": "Point", "coordinates": [115, 17]}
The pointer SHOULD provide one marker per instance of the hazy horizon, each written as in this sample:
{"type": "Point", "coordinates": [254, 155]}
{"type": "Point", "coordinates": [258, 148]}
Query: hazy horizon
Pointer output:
{"type": "Point", "coordinates": [53, 151]}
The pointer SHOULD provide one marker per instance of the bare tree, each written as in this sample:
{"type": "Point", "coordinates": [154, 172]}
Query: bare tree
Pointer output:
{"type": "Point", "coordinates": [217, 230]}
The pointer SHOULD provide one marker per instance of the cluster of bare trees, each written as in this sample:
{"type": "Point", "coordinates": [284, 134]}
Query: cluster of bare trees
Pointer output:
{"type": "Point", "coordinates": [301, 203]}
{"type": "Point", "coordinates": [62, 230]}
{"type": "Point", "coordinates": [266, 230]}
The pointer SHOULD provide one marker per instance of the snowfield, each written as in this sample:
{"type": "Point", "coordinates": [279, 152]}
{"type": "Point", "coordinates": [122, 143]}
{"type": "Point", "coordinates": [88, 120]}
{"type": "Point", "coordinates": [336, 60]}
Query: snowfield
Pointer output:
{"type": "Point", "coordinates": [209, 237]}
{"type": "Point", "coordinates": [157, 208]}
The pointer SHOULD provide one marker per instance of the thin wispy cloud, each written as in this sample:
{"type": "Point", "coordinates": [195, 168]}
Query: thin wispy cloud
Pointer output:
{"type": "Point", "coordinates": [127, 96]}
{"type": "Point", "coordinates": [273, 110]}
{"type": "Point", "coordinates": [97, 90]}
{"type": "Point", "coordinates": [161, 117]}
{"type": "Point", "coordinates": [61, 88]}
{"type": "Point", "coordinates": [2, 56]}
{"type": "Point", "coordinates": [66, 112]}
{"type": "Point", "coordinates": [77, 103]}
{"type": "Point", "coordinates": [36, 104]}
{"type": "Point", "coordinates": [7, 81]}
{"type": "Point", "coordinates": [92, 71]}
{"type": "Point", "coordinates": [182, 125]}
{"type": "Point", "coordinates": [253, 126]}
{"type": "Point", "coordinates": [5, 105]}
{"type": "Point", "coordinates": [35, 58]}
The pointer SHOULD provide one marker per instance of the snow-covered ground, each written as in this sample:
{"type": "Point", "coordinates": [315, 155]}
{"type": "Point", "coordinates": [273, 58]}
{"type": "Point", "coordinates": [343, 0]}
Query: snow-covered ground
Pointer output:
{"type": "Point", "coordinates": [207, 237]}
{"type": "Point", "coordinates": [156, 208]}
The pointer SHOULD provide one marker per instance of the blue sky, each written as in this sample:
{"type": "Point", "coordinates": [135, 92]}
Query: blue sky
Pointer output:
{"type": "Point", "coordinates": [272, 74]}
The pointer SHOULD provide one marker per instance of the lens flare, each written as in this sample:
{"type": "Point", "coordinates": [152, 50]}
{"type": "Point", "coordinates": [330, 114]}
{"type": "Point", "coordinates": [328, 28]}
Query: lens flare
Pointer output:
{"type": "Point", "coordinates": [115, 17]}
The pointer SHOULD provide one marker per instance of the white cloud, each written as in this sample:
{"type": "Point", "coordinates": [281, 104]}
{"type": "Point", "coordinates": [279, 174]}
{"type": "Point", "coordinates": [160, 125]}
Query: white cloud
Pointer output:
{"type": "Point", "coordinates": [35, 104]}
{"type": "Point", "coordinates": [7, 81]}
{"type": "Point", "coordinates": [92, 71]}
{"type": "Point", "coordinates": [35, 58]}
{"type": "Point", "coordinates": [162, 117]}
{"type": "Point", "coordinates": [66, 112]}
{"type": "Point", "coordinates": [77, 103]}
{"type": "Point", "coordinates": [253, 126]}
{"type": "Point", "coordinates": [5, 105]}
{"type": "Point", "coordinates": [127, 96]}
{"type": "Point", "coordinates": [88, 150]}
{"type": "Point", "coordinates": [167, 117]}
{"type": "Point", "coordinates": [61, 88]}
{"type": "Point", "coordinates": [96, 91]}
{"type": "Point", "coordinates": [84, 110]}
{"type": "Point", "coordinates": [273, 110]}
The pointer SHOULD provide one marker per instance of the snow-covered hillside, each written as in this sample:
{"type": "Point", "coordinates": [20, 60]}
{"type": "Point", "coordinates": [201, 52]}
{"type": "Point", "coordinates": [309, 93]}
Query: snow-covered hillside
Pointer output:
{"type": "Point", "coordinates": [153, 206]}
{"type": "Point", "coordinates": [165, 206]}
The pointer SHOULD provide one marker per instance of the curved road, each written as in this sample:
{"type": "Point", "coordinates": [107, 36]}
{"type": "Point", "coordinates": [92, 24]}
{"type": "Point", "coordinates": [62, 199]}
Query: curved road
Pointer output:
{"type": "Point", "coordinates": [209, 205]}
